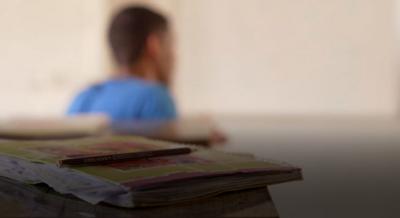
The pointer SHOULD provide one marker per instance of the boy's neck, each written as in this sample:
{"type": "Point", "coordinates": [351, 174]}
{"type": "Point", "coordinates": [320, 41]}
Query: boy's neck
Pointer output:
{"type": "Point", "coordinates": [140, 70]}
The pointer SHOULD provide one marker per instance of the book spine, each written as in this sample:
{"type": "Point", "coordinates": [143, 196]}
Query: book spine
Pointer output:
{"type": "Point", "coordinates": [109, 158]}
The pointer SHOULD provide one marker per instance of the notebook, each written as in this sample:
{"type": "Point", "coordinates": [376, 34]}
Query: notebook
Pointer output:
{"type": "Point", "coordinates": [140, 182]}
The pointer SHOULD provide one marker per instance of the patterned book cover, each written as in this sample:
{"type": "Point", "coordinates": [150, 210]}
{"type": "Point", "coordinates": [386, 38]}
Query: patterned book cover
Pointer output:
{"type": "Point", "coordinates": [97, 183]}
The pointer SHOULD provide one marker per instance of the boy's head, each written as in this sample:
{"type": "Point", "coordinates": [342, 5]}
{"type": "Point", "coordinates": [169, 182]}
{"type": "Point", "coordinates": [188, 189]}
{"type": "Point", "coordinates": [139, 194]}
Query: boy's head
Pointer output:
{"type": "Point", "coordinates": [137, 36]}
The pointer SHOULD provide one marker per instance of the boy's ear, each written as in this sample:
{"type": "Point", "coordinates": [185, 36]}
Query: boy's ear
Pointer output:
{"type": "Point", "coordinates": [153, 45]}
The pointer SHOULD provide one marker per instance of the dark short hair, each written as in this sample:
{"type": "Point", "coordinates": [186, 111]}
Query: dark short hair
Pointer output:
{"type": "Point", "coordinates": [129, 30]}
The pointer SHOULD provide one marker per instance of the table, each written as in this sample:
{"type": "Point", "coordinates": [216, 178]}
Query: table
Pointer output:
{"type": "Point", "coordinates": [350, 169]}
{"type": "Point", "coordinates": [350, 164]}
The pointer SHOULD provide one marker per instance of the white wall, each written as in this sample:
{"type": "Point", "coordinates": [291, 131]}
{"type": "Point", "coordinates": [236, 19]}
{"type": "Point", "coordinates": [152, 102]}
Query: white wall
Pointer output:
{"type": "Point", "coordinates": [48, 50]}
{"type": "Point", "coordinates": [286, 56]}
{"type": "Point", "coordinates": [235, 56]}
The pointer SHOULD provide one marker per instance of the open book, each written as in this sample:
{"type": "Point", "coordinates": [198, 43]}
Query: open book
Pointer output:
{"type": "Point", "coordinates": [188, 130]}
{"type": "Point", "coordinates": [53, 127]}
{"type": "Point", "coordinates": [143, 182]}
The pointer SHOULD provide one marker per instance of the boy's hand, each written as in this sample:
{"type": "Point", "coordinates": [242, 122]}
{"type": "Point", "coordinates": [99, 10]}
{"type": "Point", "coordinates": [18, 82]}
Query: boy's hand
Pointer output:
{"type": "Point", "coordinates": [217, 137]}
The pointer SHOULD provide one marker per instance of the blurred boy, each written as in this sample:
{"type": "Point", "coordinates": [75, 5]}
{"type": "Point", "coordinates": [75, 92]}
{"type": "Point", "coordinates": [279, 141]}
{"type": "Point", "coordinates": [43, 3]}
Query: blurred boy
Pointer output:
{"type": "Point", "coordinates": [142, 47]}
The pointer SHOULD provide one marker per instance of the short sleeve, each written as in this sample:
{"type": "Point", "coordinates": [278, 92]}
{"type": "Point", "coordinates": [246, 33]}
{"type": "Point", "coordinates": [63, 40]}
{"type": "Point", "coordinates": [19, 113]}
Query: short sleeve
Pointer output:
{"type": "Point", "coordinates": [75, 105]}
{"type": "Point", "coordinates": [80, 103]}
{"type": "Point", "coordinates": [158, 105]}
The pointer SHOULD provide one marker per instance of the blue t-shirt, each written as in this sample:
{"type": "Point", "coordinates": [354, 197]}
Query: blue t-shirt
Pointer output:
{"type": "Point", "coordinates": [125, 99]}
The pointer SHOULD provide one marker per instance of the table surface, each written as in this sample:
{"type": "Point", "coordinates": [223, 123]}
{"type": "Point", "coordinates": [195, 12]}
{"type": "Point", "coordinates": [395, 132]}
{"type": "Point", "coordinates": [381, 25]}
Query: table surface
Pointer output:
{"type": "Point", "coordinates": [350, 169]}
{"type": "Point", "coordinates": [350, 164]}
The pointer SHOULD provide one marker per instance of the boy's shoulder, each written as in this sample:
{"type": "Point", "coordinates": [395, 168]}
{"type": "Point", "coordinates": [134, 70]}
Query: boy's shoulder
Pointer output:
{"type": "Point", "coordinates": [127, 87]}
{"type": "Point", "coordinates": [135, 86]}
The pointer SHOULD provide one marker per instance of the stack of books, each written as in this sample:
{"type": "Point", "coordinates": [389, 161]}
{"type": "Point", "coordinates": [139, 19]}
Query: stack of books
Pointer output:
{"type": "Point", "coordinates": [129, 171]}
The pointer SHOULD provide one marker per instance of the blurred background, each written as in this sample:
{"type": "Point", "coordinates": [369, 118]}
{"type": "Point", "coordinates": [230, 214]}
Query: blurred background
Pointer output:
{"type": "Point", "coordinates": [235, 57]}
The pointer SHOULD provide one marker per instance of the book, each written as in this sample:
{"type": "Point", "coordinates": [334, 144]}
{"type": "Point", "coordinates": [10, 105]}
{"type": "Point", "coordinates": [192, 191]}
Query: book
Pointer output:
{"type": "Point", "coordinates": [197, 131]}
{"type": "Point", "coordinates": [53, 127]}
{"type": "Point", "coordinates": [187, 130]}
{"type": "Point", "coordinates": [137, 183]}
{"type": "Point", "coordinates": [116, 157]}
{"type": "Point", "coordinates": [20, 200]}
